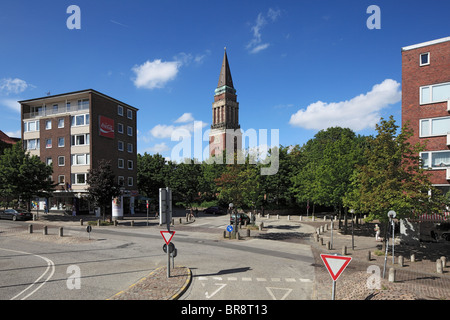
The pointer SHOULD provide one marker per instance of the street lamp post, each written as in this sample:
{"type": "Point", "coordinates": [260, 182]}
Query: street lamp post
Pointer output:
{"type": "Point", "coordinates": [353, 238]}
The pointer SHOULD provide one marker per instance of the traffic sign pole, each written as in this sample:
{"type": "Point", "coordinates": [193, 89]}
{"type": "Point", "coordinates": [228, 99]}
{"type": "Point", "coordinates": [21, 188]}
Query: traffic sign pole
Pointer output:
{"type": "Point", "coordinates": [335, 265]}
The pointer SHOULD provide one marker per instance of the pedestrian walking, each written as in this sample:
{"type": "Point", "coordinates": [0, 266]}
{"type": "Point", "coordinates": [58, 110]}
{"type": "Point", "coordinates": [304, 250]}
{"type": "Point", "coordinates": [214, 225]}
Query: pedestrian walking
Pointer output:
{"type": "Point", "coordinates": [377, 233]}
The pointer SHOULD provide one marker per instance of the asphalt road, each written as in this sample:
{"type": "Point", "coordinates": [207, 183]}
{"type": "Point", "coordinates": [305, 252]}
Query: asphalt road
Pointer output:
{"type": "Point", "coordinates": [115, 258]}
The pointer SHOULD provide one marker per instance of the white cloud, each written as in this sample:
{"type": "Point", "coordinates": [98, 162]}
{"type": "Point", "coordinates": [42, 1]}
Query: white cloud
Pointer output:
{"type": "Point", "coordinates": [158, 148]}
{"type": "Point", "coordinates": [255, 45]}
{"type": "Point", "coordinates": [15, 85]}
{"type": "Point", "coordinates": [10, 104]}
{"type": "Point", "coordinates": [186, 117]}
{"type": "Point", "coordinates": [358, 113]}
{"type": "Point", "coordinates": [155, 74]}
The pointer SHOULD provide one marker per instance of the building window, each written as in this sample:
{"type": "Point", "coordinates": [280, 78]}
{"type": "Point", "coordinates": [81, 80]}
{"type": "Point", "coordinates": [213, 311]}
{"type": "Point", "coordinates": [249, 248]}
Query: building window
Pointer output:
{"type": "Point", "coordinates": [435, 93]}
{"type": "Point", "coordinates": [55, 108]}
{"type": "Point", "coordinates": [83, 104]}
{"type": "Point", "coordinates": [80, 120]}
{"type": "Point", "coordinates": [120, 110]}
{"type": "Point", "coordinates": [130, 181]}
{"type": "Point", "coordinates": [130, 147]}
{"type": "Point", "coordinates": [80, 140]}
{"type": "Point", "coordinates": [48, 124]}
{"type": "Point", "coordinates": [129, 114]}
{"type": "Point", "coordinates": [81, 159]}
{"type": "Point", "coordinates": [60, 123]}
{"type": "Point", "coordinates": [121, 180]}
{"type": "Point", "coordinates": [434, 127]}
{"type": "Point", "coordinates": [78, 178]}
{"type": "Point", "coordinates": [435, 159]}
{"type": "Point", "coordinates": [120, 146]}
{"type": "Point", "coordinates": [61, 161]}
{"type": "Point", "coordinates": [120, 163]}
{"type": "Point", "coordinates": [120, 128]}
{"type": "Point", "coordinates": [32, 144]}
{"type": "Point", "coordinates": [68, 106]}
{"type": "Point", "coordinates": [61, 142]}
{"type": "Point", "coordinates": [130, 164]}
{"type": "Point", "coordinates": [424, 59]}
{"type": "Point", "coordinates": [48, 143]}
{"type": "Point", "coordinates": [61, 179]}
{"type": "Point", "coordinates": [130, 131]}
{"type": "Point", "coordinates": [31, 126]}
{"type": "Point", "coordinates": [49, 161]}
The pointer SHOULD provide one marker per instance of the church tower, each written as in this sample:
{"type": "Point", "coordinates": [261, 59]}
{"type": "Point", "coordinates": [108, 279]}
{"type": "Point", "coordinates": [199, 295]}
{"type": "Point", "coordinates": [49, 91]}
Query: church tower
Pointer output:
{"type": "Point", "coordinates": [225, 129]}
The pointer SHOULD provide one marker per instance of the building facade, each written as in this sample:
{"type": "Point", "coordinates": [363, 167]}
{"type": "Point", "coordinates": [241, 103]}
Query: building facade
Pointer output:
{"type": "Point", "coordinates": [72, 132]}
{"type": "Point", "coordinates": [225, 129]}
{"type": "Point", "coordinates": [426, 104]}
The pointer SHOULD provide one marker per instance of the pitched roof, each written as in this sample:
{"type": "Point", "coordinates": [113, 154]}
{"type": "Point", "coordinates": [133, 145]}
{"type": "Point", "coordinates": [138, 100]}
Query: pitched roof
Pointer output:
{"type": "Point", "coordinates": [225, 74]}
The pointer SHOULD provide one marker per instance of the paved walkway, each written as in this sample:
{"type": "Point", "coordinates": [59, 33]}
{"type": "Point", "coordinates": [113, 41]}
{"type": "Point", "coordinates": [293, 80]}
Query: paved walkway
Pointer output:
{"type": "Point", "coordinates": [414, 280]}
{"type": "Point", "coordinates": [156, 286]}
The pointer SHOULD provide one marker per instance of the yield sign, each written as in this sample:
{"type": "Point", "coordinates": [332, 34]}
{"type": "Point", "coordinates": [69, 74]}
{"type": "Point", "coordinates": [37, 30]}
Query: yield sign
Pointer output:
{"type": "Point", "coordinates": [335, 264]}
{"type": "Point", "coordinates": [167, 235]}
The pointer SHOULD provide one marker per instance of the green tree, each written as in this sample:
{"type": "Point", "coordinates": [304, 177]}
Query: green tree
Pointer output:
{"type": "Point", "coordinates": [102, 185]}
{"type": "Point", "coordinates": [393, 177]}
{"type": "Point", "coordinates": [184, 182]}
{"type": "Point", "coordinates": [23, 176]}
{"type": "Point", "coordinates": [153, 172]}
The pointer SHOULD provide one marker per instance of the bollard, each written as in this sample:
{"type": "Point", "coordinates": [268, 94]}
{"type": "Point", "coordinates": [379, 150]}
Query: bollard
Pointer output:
{"type": "Point", "coordinates": [81, 222]}
{"type": "Point", "coordinates": [321, 229]}
{"type": "Point", "coordinates": [413, 257]}
{"type": "Point", "coordinates": [224, 234]}
{"type": "Point", "coordinates": [439, 266]}
{"type": "Point", "coordinates": [261, 226]}
{"type": "Point", "coordinates": [325, 227]}
{"type": "Point", "coordinates": [248, 232]}
{"type": "Point", "coordinates": [60, 231]}
{"type": "Point", "coordinates": [30, 228]}
{"type": "Point", "coordinates": [278, 216]}
{"type": "Point", "coordinates": [313, 219]}
{"type": "Point", "coordinates": [316, 237]}
{"type": "Point", "coordinates": [116, 223]}
{"type": "Point", "coordinates": [44, 231]}
{"type": "Point", "coordinates": [268, 216]}
{"type": "Point", "coordinates": [369, 255]}
{"type": "Point", "coordinates": [391, 275]}
{"type": "Point", "coordinates": [98, 223]}
{"type": "Point", "coordinates": [400, 261]}
{"type": "Point", "coordinates": [289, 217]}
{"type": "Point", "coordinates": [181, 221]}
{"type": "Point", "coordinates": [300, 218]}
{"type": "Point", "coordinates": [328, 245]}
{"type": "Point", "coordinates": [324, 218]}
{"type": "Point", "coordinates": [344, 250]}
{"type": "Point", "coordinates": [321, 241]}
{"type": "Point", "coordinates": [132, 223]}
{"type": "Point", "coordinates": [444, 261]}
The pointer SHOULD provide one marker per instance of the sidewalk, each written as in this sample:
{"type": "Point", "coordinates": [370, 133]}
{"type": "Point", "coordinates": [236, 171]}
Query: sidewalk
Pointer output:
{"type": "Point", "coordinates": [415, 280]}
{"type": "Point", "coordinates": [156, 286]}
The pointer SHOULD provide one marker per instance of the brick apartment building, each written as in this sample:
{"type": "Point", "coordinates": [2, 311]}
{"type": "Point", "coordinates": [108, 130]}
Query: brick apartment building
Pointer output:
{"type": "Point", "coordinates": [72, 132]}
{"type": "Point", "coordinates": [426, 104]}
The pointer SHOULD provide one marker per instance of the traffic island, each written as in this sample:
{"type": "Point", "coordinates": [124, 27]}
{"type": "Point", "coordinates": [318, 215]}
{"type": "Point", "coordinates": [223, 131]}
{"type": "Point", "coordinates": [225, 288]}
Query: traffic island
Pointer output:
{"type": "Point", "coordinates": [156, 286]}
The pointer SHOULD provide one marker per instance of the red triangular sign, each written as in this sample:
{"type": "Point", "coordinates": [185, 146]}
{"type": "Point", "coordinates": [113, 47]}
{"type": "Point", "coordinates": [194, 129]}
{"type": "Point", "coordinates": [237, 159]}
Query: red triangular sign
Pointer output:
{"type": "Point", "coordinates": [167, 236]}
{"type": "Point", "coordinates": [335, 264]}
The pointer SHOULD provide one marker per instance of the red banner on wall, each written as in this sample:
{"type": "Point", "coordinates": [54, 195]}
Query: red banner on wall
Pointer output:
{"type": "Point", "coordinates": [106, 126]}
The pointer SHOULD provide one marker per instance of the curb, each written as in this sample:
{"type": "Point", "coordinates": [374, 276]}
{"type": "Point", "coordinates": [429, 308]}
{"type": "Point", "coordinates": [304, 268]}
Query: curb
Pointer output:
{"type": "Point", "coordinates": [183, 289]}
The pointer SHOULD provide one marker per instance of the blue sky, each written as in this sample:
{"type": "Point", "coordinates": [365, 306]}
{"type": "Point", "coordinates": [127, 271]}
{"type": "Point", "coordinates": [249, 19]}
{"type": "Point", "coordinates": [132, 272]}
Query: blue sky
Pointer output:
{"type": "Point", "coordinates": [298, 66]}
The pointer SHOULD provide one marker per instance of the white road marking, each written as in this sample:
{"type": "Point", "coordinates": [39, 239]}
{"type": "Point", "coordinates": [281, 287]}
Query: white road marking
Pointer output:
{"type": "Point", "coordinates": [50, 267]}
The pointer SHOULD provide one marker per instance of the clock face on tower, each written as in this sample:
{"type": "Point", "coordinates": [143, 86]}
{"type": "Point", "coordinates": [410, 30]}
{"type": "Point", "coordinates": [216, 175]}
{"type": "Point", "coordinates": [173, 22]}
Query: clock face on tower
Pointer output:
{"type": "Point", "coordinates": [217, 139]}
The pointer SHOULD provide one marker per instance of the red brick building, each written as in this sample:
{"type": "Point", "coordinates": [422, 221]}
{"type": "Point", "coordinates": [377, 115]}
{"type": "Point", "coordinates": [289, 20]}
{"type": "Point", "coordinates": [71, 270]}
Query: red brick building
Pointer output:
{"type": "Point", "coordinates": [225, 129]}
{"type": "Point", "coordinates": [72, 132]}
{"type": "Point", "coordinates": [426, 104]}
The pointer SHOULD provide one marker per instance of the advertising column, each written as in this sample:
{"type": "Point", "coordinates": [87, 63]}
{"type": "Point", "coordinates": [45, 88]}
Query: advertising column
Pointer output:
{"type": "Point", "coordinates": [117, 208]}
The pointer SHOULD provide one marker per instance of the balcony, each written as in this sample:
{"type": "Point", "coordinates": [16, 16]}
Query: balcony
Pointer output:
{"type": "Point", "coordinates": [47, 111]}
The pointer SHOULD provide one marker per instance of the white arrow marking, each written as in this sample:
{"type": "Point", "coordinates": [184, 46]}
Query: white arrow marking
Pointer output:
{"type": "Point", "coordinates": [222, 285]}
{"type": "Point", "coordinates": [288, 291]}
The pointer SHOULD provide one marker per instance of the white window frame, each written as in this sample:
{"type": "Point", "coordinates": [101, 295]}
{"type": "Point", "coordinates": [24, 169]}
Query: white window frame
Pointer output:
{"type": "Point", "coordinates": [119, 127]}
{"type": "Point", "coordinates": [430, 159]}
{"type": "Point", "coordinates": [130, 114]}
{"type": "Point", "coordinates": [86, 120]}
{"type": "Point", "coordinates": [121, 181]}
{"type": "Point", "coordinates": [428, 134]}
{"type": "Point", "coordinates": [420, 59]}
{"type": "Point", "coordinates": [120, 163]}
{"type": "Point", "coordinates": [61, 123]}
{"type": "Point", "coordinates": [63, 142]}
{"type": "Point", "coordinates": [128, 165]}
{"type": "Point", "coordinates": [47, 144]}
{"type": "Point", "coordinates": [48, 124]}
{"type": "Point", "coordinates": [129, 131]}
{"type": "Point", "coordinates": [130, 181]}
{"type": "Point", "coordinates": [120, 145]}
{"type": "Point", "coordinates": [74, 140]}
{"type": "Point", "coordinates": [26, 126]}
{"type": "Point", "coordinates": [120, 110]}
{"type": "Point", "coordinates": [64, 161]}
{"type": "Point", "coordinates": [130, 147]}
{"type": "Point", "coordinates": [85, 156]}
{"type": "Point", "coordinates": [63, 179]}
{"type": "Point", "coordinates": [75, 179]}
{"type": "Point", "coordinates": [37, 144]}
{"type": "Point", "coordinates": [431, 93]}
